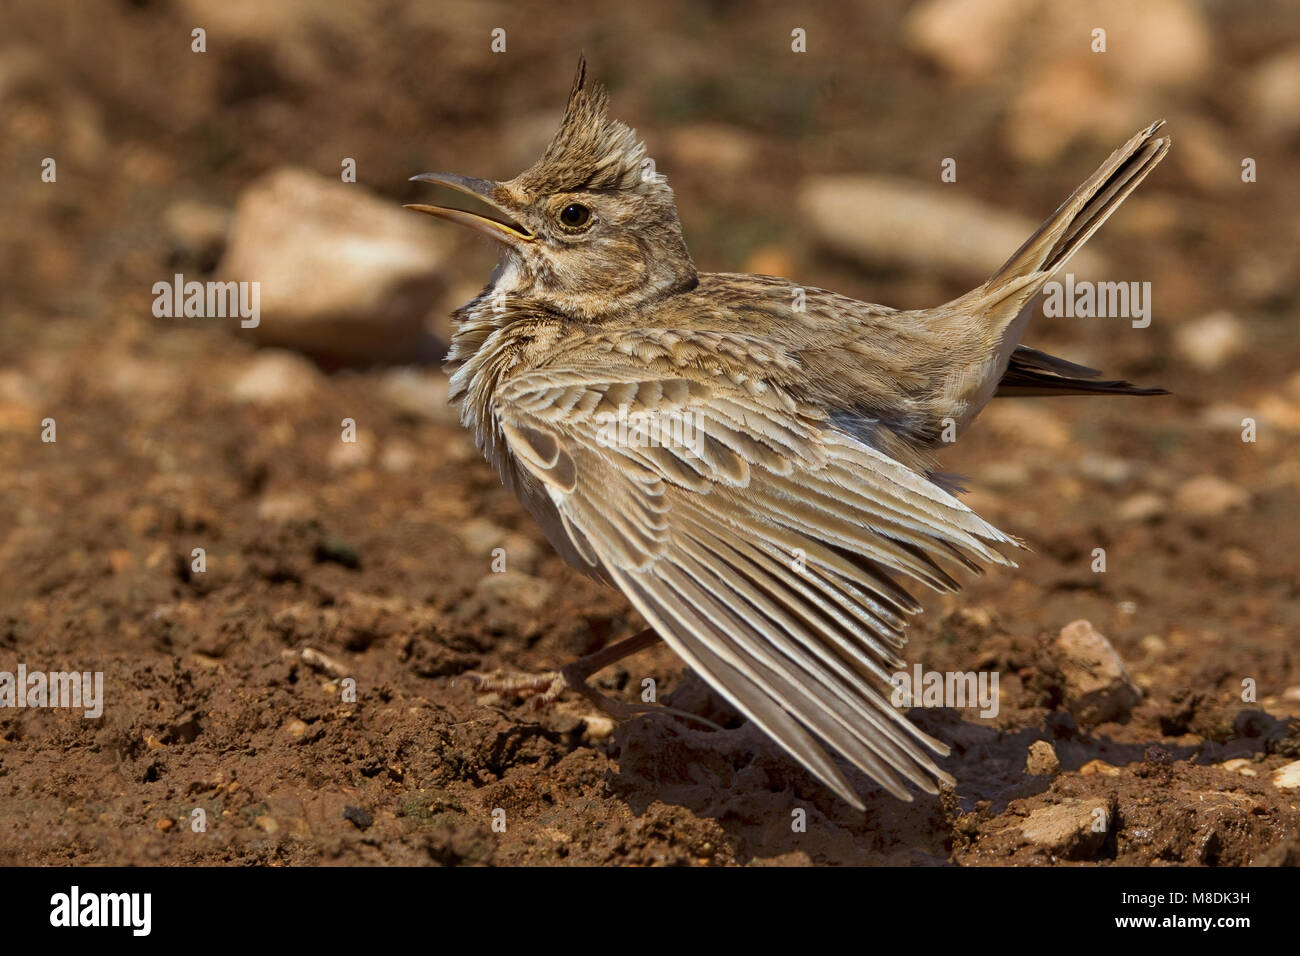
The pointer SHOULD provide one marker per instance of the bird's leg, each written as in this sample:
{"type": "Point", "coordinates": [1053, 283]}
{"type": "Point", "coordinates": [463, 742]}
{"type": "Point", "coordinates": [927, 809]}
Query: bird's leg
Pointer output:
{"type": "Point", "coordinates": [574, 677]}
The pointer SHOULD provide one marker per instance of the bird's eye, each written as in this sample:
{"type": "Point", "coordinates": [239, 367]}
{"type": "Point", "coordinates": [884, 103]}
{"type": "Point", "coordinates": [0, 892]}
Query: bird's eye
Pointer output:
{"type": "Point", "coordinates": [575, 215]}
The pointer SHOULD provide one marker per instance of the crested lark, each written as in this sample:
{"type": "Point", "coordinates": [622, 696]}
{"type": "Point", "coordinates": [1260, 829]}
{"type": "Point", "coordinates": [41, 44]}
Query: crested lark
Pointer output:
{"type": "Point", "coordinates": [768, 549]}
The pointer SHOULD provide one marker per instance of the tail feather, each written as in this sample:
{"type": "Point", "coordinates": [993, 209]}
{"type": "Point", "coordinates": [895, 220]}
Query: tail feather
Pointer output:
{"type": "Point", "coordinates": [1031, 372]}
{"type": "Point", "coordinates": [1001, 307]}
{"type": "Point", "coordinates": [1074, 222]}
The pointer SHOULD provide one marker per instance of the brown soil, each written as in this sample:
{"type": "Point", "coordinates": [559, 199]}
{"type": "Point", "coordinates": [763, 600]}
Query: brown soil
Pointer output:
{"type": "Point", "coordinates": [378, 560]}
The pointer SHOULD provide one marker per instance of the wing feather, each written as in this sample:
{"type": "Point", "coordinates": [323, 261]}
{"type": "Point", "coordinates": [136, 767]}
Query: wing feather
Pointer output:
{"type": "Point", "coordinates": [762, 545]}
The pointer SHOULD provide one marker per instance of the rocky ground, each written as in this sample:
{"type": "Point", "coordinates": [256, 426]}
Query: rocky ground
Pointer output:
{"type": "Point", "coordinates": [306, 689]}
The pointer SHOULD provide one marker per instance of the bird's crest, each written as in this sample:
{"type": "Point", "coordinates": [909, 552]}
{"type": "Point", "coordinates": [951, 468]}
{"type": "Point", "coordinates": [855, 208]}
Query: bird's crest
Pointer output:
{"type": "Point", "coordinates": [590, 150]}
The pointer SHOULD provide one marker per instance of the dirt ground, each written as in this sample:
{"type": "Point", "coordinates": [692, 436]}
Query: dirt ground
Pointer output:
{"type": "Point", "coordinates": [376, 555]}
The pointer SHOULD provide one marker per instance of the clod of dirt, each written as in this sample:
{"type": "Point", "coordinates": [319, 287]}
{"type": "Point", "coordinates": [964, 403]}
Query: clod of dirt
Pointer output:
{"type": "Point", "coordinates": [1073, 829]}
{"type": "Point", "coordinates": [359, 818]}
{"type": "Point", "coordinates": [1042, 760]}
{"type": "Point", "coordinates": [1096, 686]}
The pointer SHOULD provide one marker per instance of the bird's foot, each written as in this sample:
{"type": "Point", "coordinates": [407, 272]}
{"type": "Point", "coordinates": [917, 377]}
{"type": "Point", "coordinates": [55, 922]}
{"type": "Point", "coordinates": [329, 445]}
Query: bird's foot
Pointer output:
{"type": "Point", "coordinates": [547, 687]}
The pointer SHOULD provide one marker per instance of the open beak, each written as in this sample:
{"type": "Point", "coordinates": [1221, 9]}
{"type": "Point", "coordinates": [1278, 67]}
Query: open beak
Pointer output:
{"type": "Point", "coordinates": [500, 227]}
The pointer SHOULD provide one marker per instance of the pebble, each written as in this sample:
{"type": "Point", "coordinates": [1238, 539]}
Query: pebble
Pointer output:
{"type": "Point", "coordinates": [276, 377]}
{"type": "Point", "coordinates": [1042, 760]}
{"type": "Point", "coordinates": [1240, 766]}
{"type": "Point", "coordinates": [890, 221]}
{"type": "Point", "coordinates": [1209, 496]}
{"type": "Point", "coordinates": [1287, 777]}
{"type": "Point", "coordinates": [1065, 828]}
{"type": "Point", "coordinates": [1153, 646]}
{"type": "Point", "coordinates": [1142, 507]}
{"type": "Point", "coordinates": [597, 727]}
{"type": "Point", "coordinates": [515, 588]}
{"type": "Point", "coordinates": [1095, 768]}
{"type": "Point", "coordinates": [1210, 341]}
{"type": "Point", "coordinates": [1098, 687]}
{"type": "Point", "coordinates": [197, 232]}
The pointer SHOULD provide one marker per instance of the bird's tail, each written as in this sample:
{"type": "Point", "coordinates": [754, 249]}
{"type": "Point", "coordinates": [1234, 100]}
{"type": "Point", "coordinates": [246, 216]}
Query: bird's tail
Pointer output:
{"type": "Point", "coordinates": [997, 308]}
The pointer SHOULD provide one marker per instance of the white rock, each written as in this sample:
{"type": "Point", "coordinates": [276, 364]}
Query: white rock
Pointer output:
{"type": "Point", "coordinates": [1209, 342]}
{"type": "Point", "coordinates": [1209, 496]}
{"type": "Point", "coordinates": [886, 220]}
{"type": "Point", "coordinates": [342, 273]}
{"type": "Point", "coordinates": [1287, 777]}
{"type": "Point", "coordinates": [275, 377]}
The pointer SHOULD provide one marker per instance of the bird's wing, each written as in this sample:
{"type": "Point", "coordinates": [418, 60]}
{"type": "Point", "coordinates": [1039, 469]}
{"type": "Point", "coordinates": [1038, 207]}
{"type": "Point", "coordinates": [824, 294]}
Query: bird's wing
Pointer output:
{"type": "Point", "coordinates": [760, 542]}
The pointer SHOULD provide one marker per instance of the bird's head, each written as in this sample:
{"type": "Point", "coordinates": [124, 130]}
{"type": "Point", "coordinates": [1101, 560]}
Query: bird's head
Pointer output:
{"type": "Point", "coordinates": [591, 228]}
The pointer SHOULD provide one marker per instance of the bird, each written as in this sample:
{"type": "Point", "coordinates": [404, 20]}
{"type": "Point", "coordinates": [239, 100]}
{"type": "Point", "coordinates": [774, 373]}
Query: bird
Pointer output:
{"type": "Point", "coordinates": [775, 547]}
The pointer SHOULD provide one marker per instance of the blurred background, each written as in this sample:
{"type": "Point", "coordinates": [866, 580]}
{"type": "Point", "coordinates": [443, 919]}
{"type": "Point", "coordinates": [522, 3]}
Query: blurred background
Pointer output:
{"type": "Point", "coordinates": [823, 166]}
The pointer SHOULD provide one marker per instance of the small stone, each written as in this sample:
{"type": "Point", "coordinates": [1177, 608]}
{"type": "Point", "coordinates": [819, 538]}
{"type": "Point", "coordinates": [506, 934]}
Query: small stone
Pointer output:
{"type": "Point", "coordinates": [1095, 768]}
{"type": "Point", "coordinates": [165, 824]}
{"type": "Point", "coordinates": [1209, 496]}
{"type": "Point", "coordinates": [1067, 829]}
{"type": "Point", "coordinates": [1153, 646]}
{"type": "Point", "coordinates": [398, 456]}
{"type": "Point", "coordinates": [515, 588]}
{"type": "Point", "coordinates": [350, 455]}
{"type": "Point", "coordinates": [1142, 507]}
{"type": "Point", "coordinates": [284, 506]}
{"type": "Point", "coordinates": [1105, 469]}
{"type": "Point", "coordinates": [1287, 777]}
{"type": "Point", "coordinates": [891, 221]}
{"type": "Point", "coordinates": [1097, 686]}
{"type": "Point", "coordinates": [197, 232]}
{"type": "Point", "coordinates": [266, 824]}
{"type": "Point", "coordinates": [276, 377]}
{"type": "Point", "coordinates": [597, 727]}
{"type": "Point", "coordinates": [1210, 341]}
{"type": "Point", "coordinates": [1240, 766]}
{"type": "Point", "coordinates": [479, 536]}
{"type": "Point", "coordinates": [1291, 695]}
{"type": "Point", "coordinates": [295, 728]}
{"type": "Point", "coordinates": [1042, 760]}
